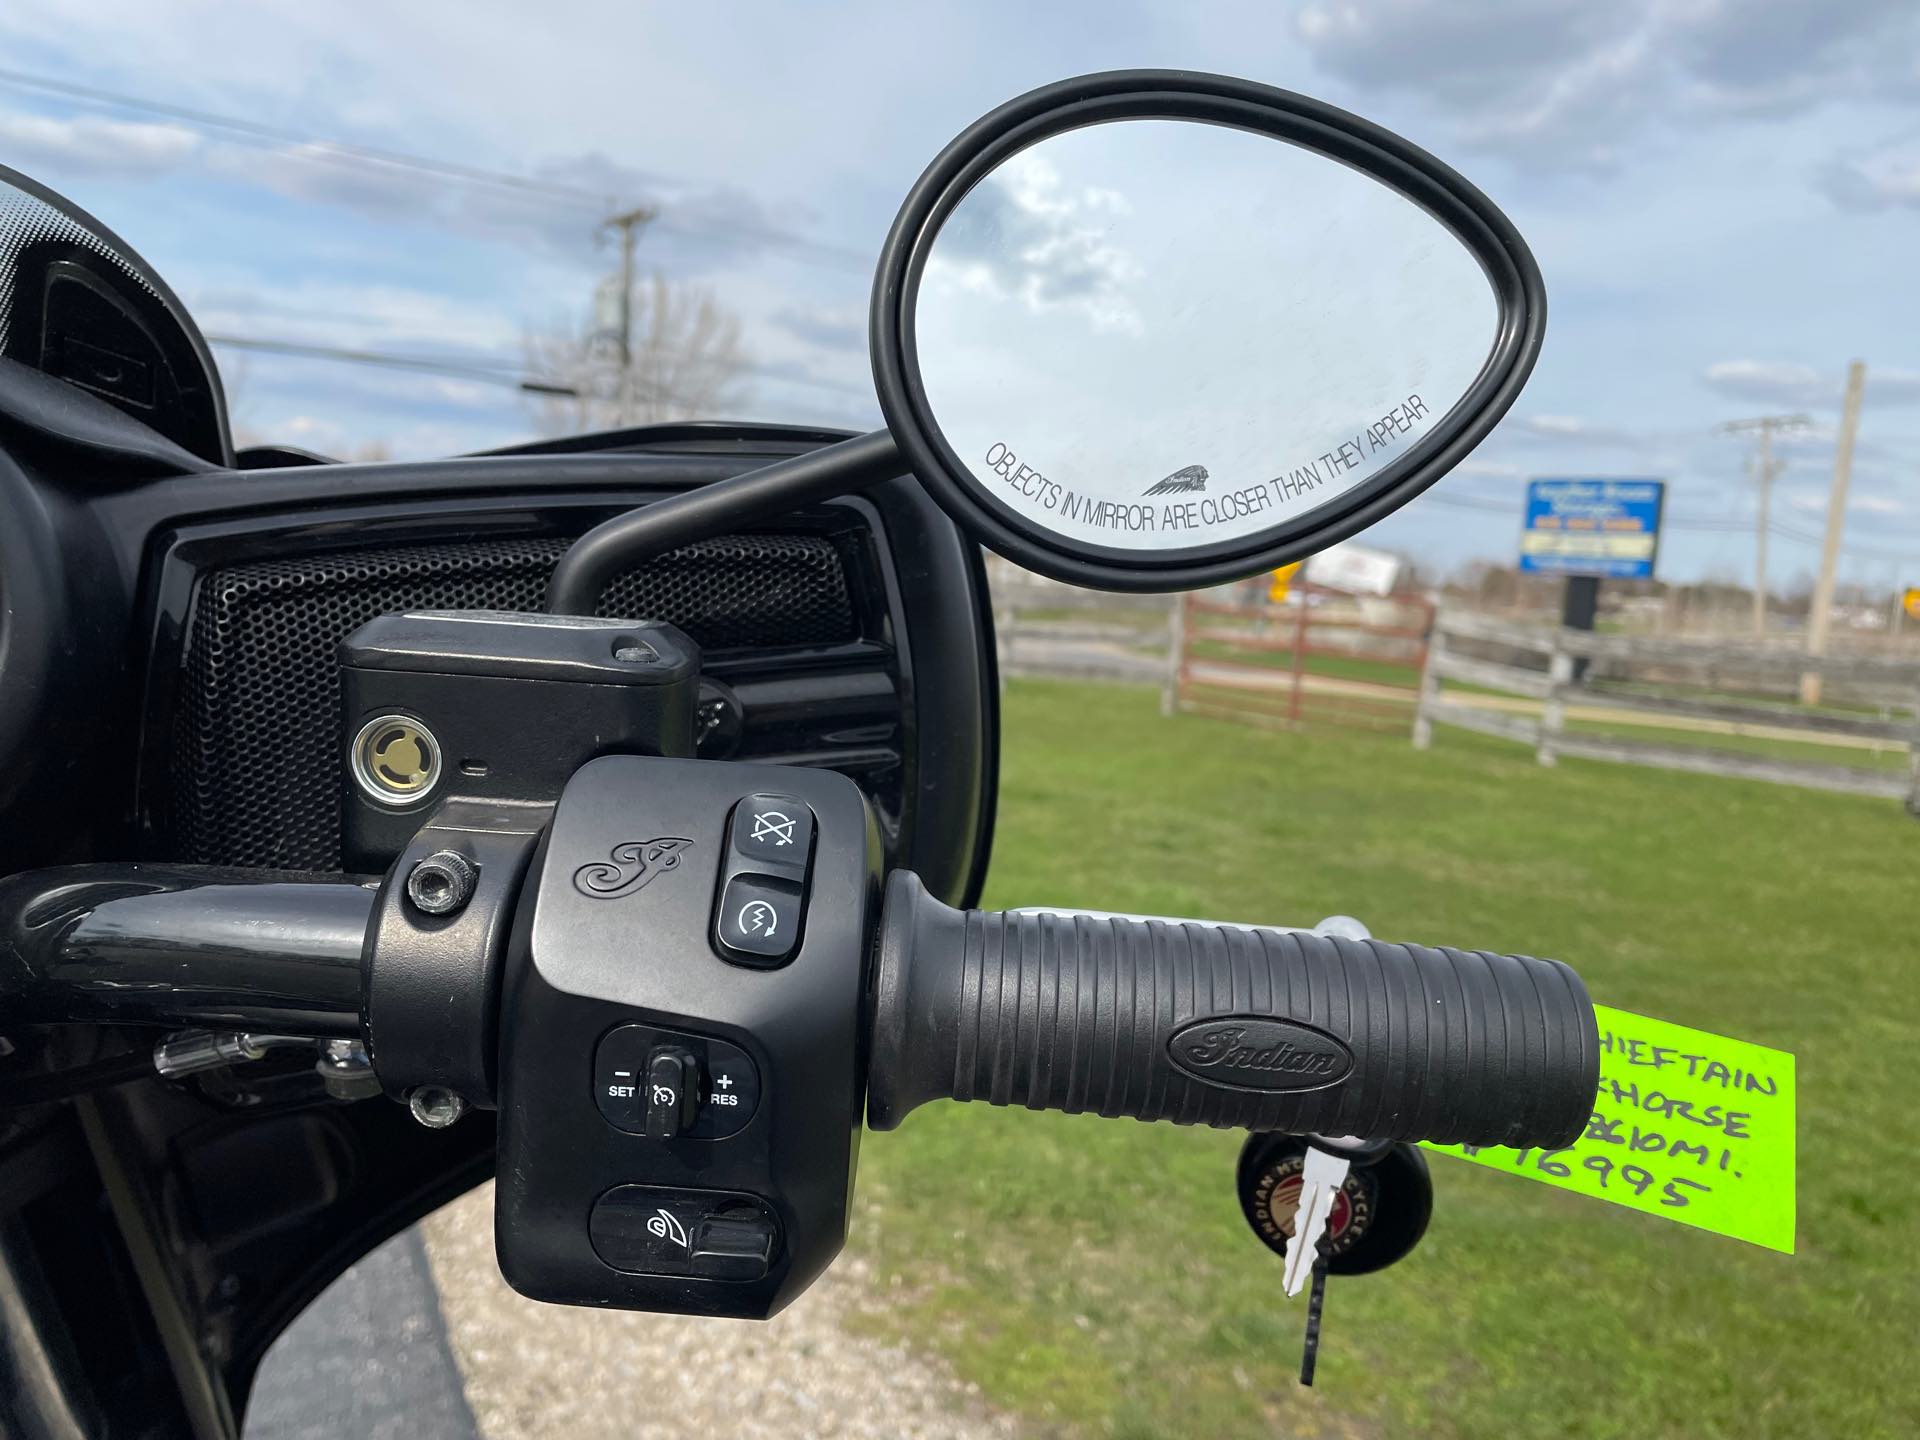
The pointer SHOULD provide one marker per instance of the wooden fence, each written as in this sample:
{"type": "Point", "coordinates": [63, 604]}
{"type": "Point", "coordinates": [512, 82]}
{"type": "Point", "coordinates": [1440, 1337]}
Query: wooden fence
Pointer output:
{"type": "Point", "coordinates": [1689, 697]}
{"type": "Point", "coordinates": [1324, 655]}
{"type": "Point", "coordinates": [1044, 628]}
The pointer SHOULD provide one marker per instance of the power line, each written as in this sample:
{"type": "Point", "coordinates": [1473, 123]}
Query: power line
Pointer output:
{"type": "Point", "coordinates": [1766, 468]}
{"type": "Point", "coordinates": [318, 147]}
{"type": "Point", "coordinates": [425, 363]}
{"type": "Point", "coordinates": [502, 371]}
{"type": "Point", "coordinates": [252, 130]}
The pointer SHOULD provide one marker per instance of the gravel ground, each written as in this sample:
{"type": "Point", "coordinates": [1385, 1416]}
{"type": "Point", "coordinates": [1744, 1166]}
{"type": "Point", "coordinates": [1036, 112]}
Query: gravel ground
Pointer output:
{"type": "Point", "coordinates": [539, 1370]}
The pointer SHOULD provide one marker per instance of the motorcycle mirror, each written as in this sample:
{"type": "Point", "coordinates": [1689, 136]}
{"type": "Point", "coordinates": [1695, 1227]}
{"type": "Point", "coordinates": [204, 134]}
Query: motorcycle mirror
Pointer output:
{"type": "Point", "coordinates": [1154, 330]}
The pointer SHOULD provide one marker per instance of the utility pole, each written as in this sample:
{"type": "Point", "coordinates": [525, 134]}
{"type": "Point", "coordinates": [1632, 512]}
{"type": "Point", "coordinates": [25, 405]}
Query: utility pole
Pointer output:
{"type": "Point", "coordinates": [628, 224]}
{"type": "Point", "coordinates": [1766, 470]}
{"type": "Point", "coordinates": [1836, 521]}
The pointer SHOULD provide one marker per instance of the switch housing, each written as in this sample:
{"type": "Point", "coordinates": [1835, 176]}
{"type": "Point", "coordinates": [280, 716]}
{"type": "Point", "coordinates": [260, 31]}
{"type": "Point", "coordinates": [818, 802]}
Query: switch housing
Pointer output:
{"type": "Point", "coordinates": [618, 966]}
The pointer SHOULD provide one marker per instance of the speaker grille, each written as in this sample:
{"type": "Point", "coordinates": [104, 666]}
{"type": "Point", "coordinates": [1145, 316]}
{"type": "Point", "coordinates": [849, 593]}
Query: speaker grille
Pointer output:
{"type": "Point", "coordinates": [257, 729]}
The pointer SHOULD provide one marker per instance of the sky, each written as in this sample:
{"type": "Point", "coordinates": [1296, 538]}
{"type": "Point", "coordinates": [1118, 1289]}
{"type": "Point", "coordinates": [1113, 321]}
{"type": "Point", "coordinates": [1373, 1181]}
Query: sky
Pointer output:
{"type": "Point", "coordinates": [1724, 199]}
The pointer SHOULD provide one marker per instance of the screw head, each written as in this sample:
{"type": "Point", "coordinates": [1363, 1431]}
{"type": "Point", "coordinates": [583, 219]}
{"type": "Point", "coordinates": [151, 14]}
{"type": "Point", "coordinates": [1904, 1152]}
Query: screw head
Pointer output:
{"type": "Point", "coordinates": [442, 883]}
{"type": "Point", "coordinates": [434, 1107]}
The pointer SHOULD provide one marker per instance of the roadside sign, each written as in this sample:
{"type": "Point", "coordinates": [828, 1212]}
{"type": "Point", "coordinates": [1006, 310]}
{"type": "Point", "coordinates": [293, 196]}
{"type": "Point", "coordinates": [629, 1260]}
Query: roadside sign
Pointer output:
{"type": "Point", "coordinates": [1355, 568]}
{"type": "Point", "coordinates": [1282, 582]}
{"type": "Point", "coordinates": [1910, 602]}
{"type": "Point", "coordinates": [1609, 528]}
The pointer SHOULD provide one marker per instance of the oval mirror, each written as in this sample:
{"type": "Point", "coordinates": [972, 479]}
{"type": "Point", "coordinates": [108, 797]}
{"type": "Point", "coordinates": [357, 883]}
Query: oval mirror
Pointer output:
{"type": "Point", "coordinates": [1165, 330]}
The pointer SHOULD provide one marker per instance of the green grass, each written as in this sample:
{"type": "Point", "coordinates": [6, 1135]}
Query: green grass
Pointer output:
{"type": "Point", "coordinates": [1096, 1275]}
{"type": "Point", "coordinates": [1334, 667]}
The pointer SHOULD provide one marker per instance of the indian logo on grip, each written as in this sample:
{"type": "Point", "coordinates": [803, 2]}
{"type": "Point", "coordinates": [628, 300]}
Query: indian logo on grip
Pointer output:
{"type": "Point", "coordinates": [1259, 1052]}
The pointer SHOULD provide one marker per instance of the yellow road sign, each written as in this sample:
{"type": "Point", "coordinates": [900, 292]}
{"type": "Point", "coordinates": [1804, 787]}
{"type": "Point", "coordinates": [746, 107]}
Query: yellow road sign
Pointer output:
{"type": "Point", "coordinates": [1910, 602]}
{"type": "Point", "coordinates": [1283, 578]}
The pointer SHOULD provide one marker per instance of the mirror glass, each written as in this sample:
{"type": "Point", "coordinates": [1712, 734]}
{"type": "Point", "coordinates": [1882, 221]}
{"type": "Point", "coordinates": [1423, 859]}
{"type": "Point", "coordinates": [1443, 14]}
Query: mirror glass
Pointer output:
{"type": "Point", "coordinates": [1161, 335]}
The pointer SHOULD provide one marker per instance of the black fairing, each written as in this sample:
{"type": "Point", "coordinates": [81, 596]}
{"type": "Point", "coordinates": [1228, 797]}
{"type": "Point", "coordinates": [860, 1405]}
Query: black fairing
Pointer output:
{"type": "Point", "coordinates": [79, 306]}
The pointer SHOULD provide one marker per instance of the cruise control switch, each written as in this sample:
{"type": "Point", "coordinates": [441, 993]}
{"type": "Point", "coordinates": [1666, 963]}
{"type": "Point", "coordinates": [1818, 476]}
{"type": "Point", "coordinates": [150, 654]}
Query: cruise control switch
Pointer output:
{"type": "Point", "coordinates": [673, 1091]}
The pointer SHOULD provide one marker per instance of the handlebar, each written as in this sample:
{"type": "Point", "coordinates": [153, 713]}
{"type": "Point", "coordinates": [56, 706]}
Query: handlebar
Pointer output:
{"type": "Point", "coordinates": [184, 945]}
{"type": "Point", "coordinates": [1225, 1026]}
{"type": "Point", "coordinates": [1194, 1023]}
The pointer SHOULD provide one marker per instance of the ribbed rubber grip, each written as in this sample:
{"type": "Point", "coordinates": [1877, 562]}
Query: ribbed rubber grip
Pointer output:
{"type": "Point", "coordinates": [1211, 1025]}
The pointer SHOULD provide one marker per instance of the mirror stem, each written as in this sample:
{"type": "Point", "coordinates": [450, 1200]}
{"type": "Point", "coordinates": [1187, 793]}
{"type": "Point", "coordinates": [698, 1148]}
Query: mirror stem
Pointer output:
{"type": "Point", "coordinates": [618, 544]}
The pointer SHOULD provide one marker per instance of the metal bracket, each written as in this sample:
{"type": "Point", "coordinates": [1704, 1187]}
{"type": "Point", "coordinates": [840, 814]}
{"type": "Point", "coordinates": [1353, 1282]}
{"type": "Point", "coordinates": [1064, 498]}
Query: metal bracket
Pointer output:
{"type": "Point", "coordinates": [433, 979]}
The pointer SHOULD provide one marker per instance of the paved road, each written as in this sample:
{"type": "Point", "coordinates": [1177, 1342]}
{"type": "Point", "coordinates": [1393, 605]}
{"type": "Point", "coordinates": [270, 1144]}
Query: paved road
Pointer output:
{"type": "Point", "coordinates": [368, 1360]}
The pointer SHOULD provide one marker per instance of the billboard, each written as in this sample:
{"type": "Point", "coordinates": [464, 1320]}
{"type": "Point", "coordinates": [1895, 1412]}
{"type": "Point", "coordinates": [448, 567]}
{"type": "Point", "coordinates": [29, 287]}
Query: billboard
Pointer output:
{"type": "Point", "coordinates": [1355, 568]}
{"type": "Point", "coordinates": [1600, 527]}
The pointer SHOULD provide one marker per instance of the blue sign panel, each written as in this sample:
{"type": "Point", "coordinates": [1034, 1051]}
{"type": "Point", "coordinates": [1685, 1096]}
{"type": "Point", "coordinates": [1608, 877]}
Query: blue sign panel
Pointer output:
{"type": "Point", "coordinates": [1609, 528]}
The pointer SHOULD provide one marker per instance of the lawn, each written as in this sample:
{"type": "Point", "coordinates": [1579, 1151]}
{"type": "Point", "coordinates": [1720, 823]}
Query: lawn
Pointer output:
{"type": "Point", "coordinates": [1334, 667]}
{"type": "Point", "coordinates": [1096, 1276]}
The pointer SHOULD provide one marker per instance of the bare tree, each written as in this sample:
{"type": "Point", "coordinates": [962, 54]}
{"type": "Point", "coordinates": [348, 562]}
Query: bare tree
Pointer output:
{"type": "Point", "coordinates": [683, 360]}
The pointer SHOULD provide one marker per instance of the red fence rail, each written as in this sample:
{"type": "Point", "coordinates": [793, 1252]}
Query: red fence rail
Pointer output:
{"type": "Point", "coordinates": [1322, 656]}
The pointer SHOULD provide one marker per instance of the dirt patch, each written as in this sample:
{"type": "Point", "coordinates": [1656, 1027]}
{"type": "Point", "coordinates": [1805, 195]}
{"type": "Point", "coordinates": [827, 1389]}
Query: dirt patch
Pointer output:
{"type": "Point", "coordinates": [540, 1370]}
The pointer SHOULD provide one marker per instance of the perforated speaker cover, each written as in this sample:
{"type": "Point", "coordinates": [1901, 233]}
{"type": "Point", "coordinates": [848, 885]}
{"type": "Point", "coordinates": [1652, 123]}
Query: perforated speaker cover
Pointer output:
{"type": "Point", "coordinates": [258, 733]}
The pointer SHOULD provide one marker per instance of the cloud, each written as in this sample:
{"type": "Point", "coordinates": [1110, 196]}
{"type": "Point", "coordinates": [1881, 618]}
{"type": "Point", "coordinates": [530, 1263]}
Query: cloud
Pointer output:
{"type": "Point", "coordinates": [559, 204]}
{"type": "Point", "coordinates": [829, 329]}
{"type": "Point", "coordinates": [1488, 470]}
{"type": "Point", "coordinates": [1024, 235]}
{"type": "Point", "coordinates": [372, 316]}
{"type": "Point", "coordinates": [1570, 83]}
{"type": "Point", "coordinates": [1814, 502]}
{"type": "Point", "coordinates": [1768, 382]}
{"type": "Point", "coordinates": [1884, 178]}
{"type": "Point", "coordinates": [1574, 429]}
{"type": "Point", "coordinates": [1776, 382]}
{"type": "Point", "coordinates": [93, 147]}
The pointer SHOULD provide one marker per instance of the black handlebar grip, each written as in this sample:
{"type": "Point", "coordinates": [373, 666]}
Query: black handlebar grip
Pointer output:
{"type": "Point", "coordinates": [1213, 1025]}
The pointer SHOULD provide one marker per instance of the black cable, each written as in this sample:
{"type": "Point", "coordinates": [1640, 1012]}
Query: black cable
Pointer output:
{"type": "Point", "coordinates": [426, 363]}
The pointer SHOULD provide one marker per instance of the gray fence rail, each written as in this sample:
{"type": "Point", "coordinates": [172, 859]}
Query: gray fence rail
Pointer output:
{"type": "Point", "coordinates": [1451, 656]}
{"type": "Point", "coordinates": [1056, 630]}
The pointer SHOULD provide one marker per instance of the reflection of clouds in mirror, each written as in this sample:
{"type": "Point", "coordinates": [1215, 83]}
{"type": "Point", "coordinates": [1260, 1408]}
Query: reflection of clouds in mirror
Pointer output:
{"type": "Point", "coordinates": [1291, 327]}
{"type": "Point", "coordinates": [1024, 235]}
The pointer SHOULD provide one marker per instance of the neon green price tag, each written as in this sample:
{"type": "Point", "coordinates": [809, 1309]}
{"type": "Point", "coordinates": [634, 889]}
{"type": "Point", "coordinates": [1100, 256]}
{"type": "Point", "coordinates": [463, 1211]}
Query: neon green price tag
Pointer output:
{"type": "Point", "coordinates": [1689, 1126]}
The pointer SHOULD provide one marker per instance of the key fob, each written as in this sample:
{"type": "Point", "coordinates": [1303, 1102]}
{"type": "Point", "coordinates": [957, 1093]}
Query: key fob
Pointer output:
{"type": "Point", "coordinates": [1378, 1216]}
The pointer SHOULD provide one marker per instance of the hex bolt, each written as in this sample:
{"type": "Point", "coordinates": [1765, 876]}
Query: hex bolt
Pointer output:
{"type": "Point", "coordinates": [347, 1071]}
{"type": "Point", "coordinates": [435, 1107]}
{"type": "Point", "coordinates": [442, 883]}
